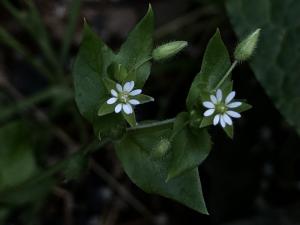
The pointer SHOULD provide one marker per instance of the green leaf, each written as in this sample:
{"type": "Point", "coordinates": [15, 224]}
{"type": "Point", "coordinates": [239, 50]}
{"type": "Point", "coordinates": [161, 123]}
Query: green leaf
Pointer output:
{"type": "Point", "coordinates": [76, 166]}
{"type": "Point", "coordinates": [149, 173]}
{"type": "Point", "coordinates": [17, 161]}
{"type": "Point", "coordinates": [90, 69]}
{"type": "Point", "coordinates": [215, 64]}
{"type": "Point", "coordinates": [135, 52]}
{"type": "Point", "coordinates": [190, 146]}
{"type": "Point", "coordinates": [276, 63]}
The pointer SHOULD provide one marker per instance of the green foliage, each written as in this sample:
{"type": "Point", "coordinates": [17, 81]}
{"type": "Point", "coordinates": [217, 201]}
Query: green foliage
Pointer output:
{"type": "Point", "coordinates": [137, 49]}
{"type": "Point", "coordinates": [190, 146]}
{"type": "Point", "coordinates": [215, 64]}
{"type": "Point", "coordinates": [18, 165]}
{"type": "Point", "coordinates": [276, 65]}
{"type": "Point", "coordinates": [16, 158]}
{"type": "Point", "coordinates": [246, 48]}
{"type": "Point", "coordinates": [168, 50]}
{"type": "Point", "coordinates": [135, 151]}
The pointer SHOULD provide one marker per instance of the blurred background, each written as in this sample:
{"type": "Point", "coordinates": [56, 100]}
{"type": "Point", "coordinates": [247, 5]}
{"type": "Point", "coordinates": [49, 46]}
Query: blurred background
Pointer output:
{"type": "Point", "coordinates": [251, 180]}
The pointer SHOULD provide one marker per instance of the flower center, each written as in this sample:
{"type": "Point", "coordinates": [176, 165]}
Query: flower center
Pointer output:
{"type": "Point", "coordinates": [221, 108]}
{"type": "Point", "coordinates": [123, 97]}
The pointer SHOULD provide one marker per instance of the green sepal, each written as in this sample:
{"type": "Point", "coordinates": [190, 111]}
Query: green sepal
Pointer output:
{"type": "Point", "coordinates": [130, 118]}
{"type": "Point", "coordinates": [143, 98]}
{"type": "Point", "coordinates": [109, 84]}
{"type": "Point", "coordinates": [106, 109]}
{"type": "Point", "coordinates": [229, 131]}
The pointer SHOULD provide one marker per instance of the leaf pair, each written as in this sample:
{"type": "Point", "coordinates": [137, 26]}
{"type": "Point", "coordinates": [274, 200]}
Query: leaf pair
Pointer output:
{"type": "Point", "coordinates": [215, 65]}
{"type": "Point", "coordinates": [94, 65]}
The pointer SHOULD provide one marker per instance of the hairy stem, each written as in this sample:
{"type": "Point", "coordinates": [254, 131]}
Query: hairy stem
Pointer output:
{"type": "Point", "coordinates": [227, 74]}
{"type": "Point", "coordinates": [152, 125]}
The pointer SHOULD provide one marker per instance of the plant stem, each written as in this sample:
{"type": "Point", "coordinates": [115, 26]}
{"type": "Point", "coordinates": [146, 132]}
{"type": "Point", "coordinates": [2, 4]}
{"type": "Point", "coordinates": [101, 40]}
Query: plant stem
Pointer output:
{"type": "Point", "coordinates": [227, 74]}
{"type": "Point", "coordinates": [151, 125]}
{"type": "Point", "coordinates": [142, 63]}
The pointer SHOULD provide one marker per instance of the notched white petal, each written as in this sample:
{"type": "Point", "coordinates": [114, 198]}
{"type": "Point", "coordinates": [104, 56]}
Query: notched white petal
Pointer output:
{"type": "Point", "coordinates": [208, 105]}
{"type": "Point", "coordinates": [234, 105]}
{"type": "Point", "coordinates": [233, 114]}
{"type": "Point", "coordinates": [119, 87]}
{"type": "Point", "coordinates": [127, 108]}
{"type": "Point", "coordinates": [128, 86]}
{"type": "Point", "coordinates": [219, 95]}
{"type": "Point", "coordinates": [135, 92]}
{"type": "Point", "coordinates": [227, 119]}
{"type": "Point", "coordinates": [134, 102]}
{"type": "Point", "coordinates": [222, 122]}
{"type": "Point", "coordinates": [209, 112]}
{"type": "Point", "coordinates": [216, 119]}
{"type": "Point", "coordinates": [111, 101]}
{"type": "Point", "coordinates": [230, 97]}
{"type": "Point", "coordinates": [118, 108]}
{"type": "Point", "coordinates": [113, 93]}
{"type": "Point", "coordinates": [213, 99]}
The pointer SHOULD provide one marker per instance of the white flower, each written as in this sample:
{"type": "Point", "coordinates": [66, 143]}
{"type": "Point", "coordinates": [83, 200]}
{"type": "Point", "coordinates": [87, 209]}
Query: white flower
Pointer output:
{"type": "Point", "coordinates": [222, 110]}
{"type": "Point", "coordinates": [124, 97]}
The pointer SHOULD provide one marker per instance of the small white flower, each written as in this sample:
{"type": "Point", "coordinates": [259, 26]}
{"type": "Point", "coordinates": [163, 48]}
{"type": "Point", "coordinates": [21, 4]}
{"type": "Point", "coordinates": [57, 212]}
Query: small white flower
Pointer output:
{"type": "Point", "coordinates": [123, 97]}
{"type": "Point", "coordinates": [222, 110]}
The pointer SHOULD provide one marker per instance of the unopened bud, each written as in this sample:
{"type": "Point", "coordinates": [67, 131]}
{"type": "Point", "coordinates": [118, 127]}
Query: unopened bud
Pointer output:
{"type": "Point", "coordinates": [246, 48]}
{"type": "Point", "coordinates": [168, 50]}
{"type": "Point", "coordinates": [117, 72]}
{"type": "Point", "coordinates": [161, 148]}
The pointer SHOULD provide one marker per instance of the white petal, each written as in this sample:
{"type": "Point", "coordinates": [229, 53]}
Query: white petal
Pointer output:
{"type": "Point", "coordinates": [119, 87]}
{"type": "Point", "coordinates": [128, 86]}
{"type": "Point", "coordinates": [216, 119]}
{"type": "Point", "coordinates": [227, 119]}
{"type": "Point", "coordinates": [233, 114]}
{"type": "Point", "coordinates": [223, 124]}
{"type": "Point", "coordinates": [213, 99]}
{"type": "Point", "coordinates": [219, 95]}
{"type": "Point", "coordinates": [209, 105]}
{"type": "Point", "coordinates": [230, 97]}
{"type": "Point", "coordinates": [134, 102]}
{"type": "Point", "coordinates": [113, 93]}
{"type": "Point", "coordinates": [234, 105]}
{"type": "Point", "coordinates": [127, 108]}
{"type": "Point", "coordinates": [135, 92]}
{"type": "Point", "coordinates": [209, 112]}
{"type": "Point", "coordinates": [118, 108]}
{"type": "Point", "coordinates": [111, 101]}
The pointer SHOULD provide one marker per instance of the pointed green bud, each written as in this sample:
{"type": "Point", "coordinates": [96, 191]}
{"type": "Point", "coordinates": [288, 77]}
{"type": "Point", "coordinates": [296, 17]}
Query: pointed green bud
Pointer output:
{"type": "Point", "coordinates": [168, 50]}
{"type": "Point", "coordinates": [161, 148]}
{"type": "Point", "coordinates": [117, 72]}
{"type": "Point", "coordinates": [246, 48]}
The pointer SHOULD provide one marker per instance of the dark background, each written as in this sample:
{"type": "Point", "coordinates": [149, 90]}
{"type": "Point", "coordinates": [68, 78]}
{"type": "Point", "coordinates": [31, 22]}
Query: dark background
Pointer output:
{"type": "Point", "coordinates": [251, 180]}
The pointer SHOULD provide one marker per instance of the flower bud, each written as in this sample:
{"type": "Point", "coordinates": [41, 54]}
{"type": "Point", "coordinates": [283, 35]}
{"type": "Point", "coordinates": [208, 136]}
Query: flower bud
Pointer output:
{"type": "Point", "coordinates": [161, 148]}
{"type": "Point", "coordinates": [168, 50]}
{"type": "Point", "coordinates": [117, 72]}
{"type": "Point", "coordinates": [246, 48]}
